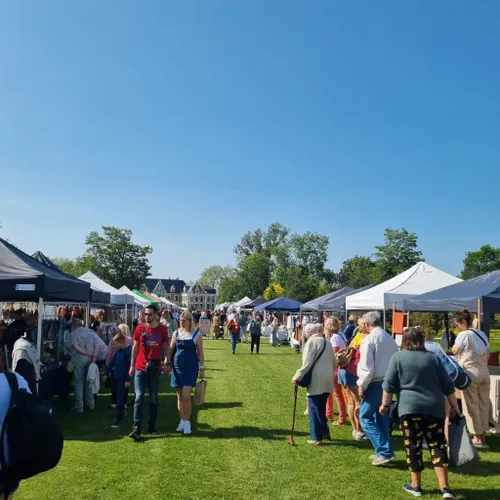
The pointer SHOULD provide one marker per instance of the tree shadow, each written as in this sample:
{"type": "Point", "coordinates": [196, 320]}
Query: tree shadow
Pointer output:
{"type": "Point", "coordinates": [491, 494]}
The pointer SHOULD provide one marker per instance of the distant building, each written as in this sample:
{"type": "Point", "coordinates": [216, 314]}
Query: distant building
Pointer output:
{"type": "Point", "coordinates": [194, 296]}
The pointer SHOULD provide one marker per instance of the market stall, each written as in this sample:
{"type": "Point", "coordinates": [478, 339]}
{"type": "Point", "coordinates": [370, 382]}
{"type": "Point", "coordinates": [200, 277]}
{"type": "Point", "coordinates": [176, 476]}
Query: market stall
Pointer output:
{"type": "Point", "coordinates": [24, 279]}
{"type": "Point", "coordinates": [319, 303]}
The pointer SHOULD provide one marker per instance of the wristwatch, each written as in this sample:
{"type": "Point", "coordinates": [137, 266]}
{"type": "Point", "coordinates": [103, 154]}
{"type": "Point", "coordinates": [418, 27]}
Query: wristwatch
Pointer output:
{"type": "Point", "coordinates": [201, 367]}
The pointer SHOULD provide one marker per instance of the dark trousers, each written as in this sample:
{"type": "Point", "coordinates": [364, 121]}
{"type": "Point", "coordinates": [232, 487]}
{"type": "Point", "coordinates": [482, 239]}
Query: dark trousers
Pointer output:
{"type": "Point", "coordinates": [121, 397]}
{"type": "Point", "coordinates": [318, 423]}
{"type": "Point", "coordinates": [234, 341]}
{"type": "Point", "coordinates": [255, 342]}
{"type": "Point", "coordinates": [27, 371]}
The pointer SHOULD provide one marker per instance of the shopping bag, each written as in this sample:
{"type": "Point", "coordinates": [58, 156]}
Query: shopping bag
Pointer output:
{"type": "Point", "coordinates": [199, 392]}
{"type": "Point", "coordinates": [462, 450]}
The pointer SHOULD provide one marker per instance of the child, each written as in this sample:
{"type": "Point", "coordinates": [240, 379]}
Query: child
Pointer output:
{"type": "Point", "coordinates": [120, 366]}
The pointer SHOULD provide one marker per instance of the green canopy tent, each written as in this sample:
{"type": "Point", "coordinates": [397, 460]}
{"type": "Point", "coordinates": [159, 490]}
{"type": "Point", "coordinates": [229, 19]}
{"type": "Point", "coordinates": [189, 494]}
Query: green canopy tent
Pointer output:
{"type": "Point", "coordinates": [143, 297]}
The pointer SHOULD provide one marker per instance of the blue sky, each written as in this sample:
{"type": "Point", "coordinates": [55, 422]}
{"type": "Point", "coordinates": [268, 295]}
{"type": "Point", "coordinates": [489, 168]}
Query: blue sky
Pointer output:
{"type": "Point", "coordinates": [193, 122]}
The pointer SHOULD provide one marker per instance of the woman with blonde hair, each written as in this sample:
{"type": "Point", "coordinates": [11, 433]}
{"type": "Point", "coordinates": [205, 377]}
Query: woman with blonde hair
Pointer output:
{"type": "Point", "coordinates": [338, 341]}
{"type": "Point", "coordinates": [187, 343]}
{"type": "Point", "coordinates": [347, 377]}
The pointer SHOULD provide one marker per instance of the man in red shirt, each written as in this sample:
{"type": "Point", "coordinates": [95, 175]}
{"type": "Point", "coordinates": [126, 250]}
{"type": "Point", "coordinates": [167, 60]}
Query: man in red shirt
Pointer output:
{"type": "Point", "coordinates": [150, 346]}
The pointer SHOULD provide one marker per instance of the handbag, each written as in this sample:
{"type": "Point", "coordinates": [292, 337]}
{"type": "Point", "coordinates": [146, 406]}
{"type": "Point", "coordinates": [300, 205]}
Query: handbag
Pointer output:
{"type": "Point", "coordinates": [462, 450]}
{"type": "Point", "coordinates": [200, 391]}
{"type": "Point", "coordinates": [306, 379]}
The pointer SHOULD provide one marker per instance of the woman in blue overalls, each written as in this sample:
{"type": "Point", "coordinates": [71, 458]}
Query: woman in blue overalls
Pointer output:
{"type": "Point", "coordinates": [187, 346]}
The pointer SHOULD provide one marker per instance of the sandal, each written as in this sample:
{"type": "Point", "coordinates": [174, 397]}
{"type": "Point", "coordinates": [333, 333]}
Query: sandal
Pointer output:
{"type": "Point", "coordinates": [338, 422]}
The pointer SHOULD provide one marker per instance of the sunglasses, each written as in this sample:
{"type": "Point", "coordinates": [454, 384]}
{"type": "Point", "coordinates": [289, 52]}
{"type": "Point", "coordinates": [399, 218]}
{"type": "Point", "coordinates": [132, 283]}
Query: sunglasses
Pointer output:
{"type": "Point", "coordinates": [149, 314]}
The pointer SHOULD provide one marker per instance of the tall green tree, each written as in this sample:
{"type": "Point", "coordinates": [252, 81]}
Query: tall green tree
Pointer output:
{"type": "Point", "coordinates": [482, 261]}
{"type": "Point", "coordinates": [230, 290]}
{"type": "Point", "coordinates": [358, 271]}
{"type": "Point", "coordinates": [120, 261]}
{"type": "Point", "coordinates": [254, 275]}
{"type": "Point", "coordinates": [212, 276]}
{"type": "Point", "coordinates": [398, 253]}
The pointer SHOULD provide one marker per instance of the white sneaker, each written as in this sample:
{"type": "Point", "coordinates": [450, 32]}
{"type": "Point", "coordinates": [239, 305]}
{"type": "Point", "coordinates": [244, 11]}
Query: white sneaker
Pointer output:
{"type": "Point", "coordinates": [359, 436]}
{"type": "Point", "coordinates": [113, 406]}
{"type": "Point", "coordinates": [306, 412]}
{"type": "Point", "coordinates": [180, 428]}
{"type": "Point", "coordinates": [187, 427]}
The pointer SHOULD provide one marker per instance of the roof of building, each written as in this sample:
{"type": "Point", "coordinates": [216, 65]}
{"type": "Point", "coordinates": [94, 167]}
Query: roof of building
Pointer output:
{"type": "Point", "coordinates": [208, 289]}
{"type": "Point", "coordinates": [167, 284]}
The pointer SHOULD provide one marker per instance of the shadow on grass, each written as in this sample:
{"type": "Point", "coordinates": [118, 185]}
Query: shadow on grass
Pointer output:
{"type": "Point", "coordinates": [492, 494]}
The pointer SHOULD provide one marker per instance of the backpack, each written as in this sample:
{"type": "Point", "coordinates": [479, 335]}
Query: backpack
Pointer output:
{"type": "Point", "coordinates": [344, 356]}
{"type": "Point", "coordinates": [234, 327]}
{"type": "Point", "coordinates": [34, 435]}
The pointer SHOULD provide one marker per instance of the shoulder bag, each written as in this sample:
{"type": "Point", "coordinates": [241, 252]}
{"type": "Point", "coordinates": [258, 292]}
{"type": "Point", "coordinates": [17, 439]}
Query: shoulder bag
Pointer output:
{"type": "Point", "coordinates": [306, 379]}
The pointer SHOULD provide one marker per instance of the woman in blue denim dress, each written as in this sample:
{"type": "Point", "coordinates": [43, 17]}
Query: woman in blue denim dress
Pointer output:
{"type": "Point", "coordinates": [188, 360]}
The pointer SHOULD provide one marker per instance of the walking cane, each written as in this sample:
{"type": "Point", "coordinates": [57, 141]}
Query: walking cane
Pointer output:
{"type": "Point", "coordinates": [296, 391]}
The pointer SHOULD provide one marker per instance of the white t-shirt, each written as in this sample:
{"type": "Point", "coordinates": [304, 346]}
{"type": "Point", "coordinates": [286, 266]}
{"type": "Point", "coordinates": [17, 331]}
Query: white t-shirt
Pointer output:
{"type": "Point", "coordinates": [5, 394]}
{"type": "Point", "coordinates": [338, 340]}
{"type": "Point", "coordinates": [470, 342]}
{"type": "Point", "coordinates": [188, 336]}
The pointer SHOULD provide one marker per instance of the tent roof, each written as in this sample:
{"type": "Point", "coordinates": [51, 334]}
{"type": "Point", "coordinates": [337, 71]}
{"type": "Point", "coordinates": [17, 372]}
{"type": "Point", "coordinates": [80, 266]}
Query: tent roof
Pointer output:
{"type": "Point", "coordinates": [25, 279]}
{"type": "Point", "coordinates": [280, 304]}
{"type": "Point", "coordinates": [461, 295]}
{"type": "Point", "coordinates": [317, 304]}
{"type": "Point", "coordinates": [243, 302]}
{"type": "Point", "coordinates": [420, 278]}
{"type": "Point", "coordinates": [116, 297]}
{"type": "Point", "coordinates": [138, 300]}
{"type": "Point", "coordinates": [142, 296]}
{"type": "Point", "coordinates": [40, 257]}
{"type": "Point", "coordinates": [256, 302]}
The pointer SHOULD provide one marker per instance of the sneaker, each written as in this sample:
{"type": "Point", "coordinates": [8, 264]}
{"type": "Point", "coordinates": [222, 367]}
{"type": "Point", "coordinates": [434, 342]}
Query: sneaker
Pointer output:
{"type": "Point", "coordinates": [306, 412]}
{"type": "Point", "coordinates": [117, 425]}
{"type": "Point", "coordinates": [372, 457]}
{"type": "Point", "coordinates": [187, 427]}
{"type": "Point", "coordinates": [135, 434]}
{"type": "Point", "coordinates": [382, 461]}
{"type": "Point", "coordinates": [113, 406]}
{"type": "Point", "coordinates": [359, 436]}
{"type": "Point", "coordinates": [447, 493]}
{"type": "Point", "coordinates": [76, 410]}
{"type": "Point", "coordinates": [416, 492]}
{"type": "Point", "coordinates": [152, 430]}
{"type": "Point", "coordinates": [180, 428]}
{"type": "Point", "coordinates": [314, 443]}
{"type": "Point", "coordinates": [354, 434]}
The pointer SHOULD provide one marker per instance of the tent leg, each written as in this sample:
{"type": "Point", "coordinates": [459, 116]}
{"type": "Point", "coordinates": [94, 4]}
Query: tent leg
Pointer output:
{"type": "Point", "coordinates": [383, 325]}
{"type": "Point", "coordinates": [393, 315]}
{"type": "Point", "coordinates": [87, 316]}
{"type": "Point", "coordinates": [41, 312]}
{"type": "Point", "coordinates": [126, 312]}
{"type": "Point", "coordinates": [479, 311]}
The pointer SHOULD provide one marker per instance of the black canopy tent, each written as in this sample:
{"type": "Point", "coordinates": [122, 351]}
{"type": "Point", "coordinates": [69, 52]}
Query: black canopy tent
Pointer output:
{"type": "Point", "coordinates": [256, 302]}
{"type": "Point", "coordinates": [40, 257]}
{"type": "Point", "coordinates": [25, 279]}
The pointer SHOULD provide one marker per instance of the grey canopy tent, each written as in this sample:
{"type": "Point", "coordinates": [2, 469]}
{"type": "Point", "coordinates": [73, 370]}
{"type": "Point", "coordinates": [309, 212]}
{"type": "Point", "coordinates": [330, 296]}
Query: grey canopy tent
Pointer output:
{"type": "Point", "coordinates": [319, 304]}
{"type": "Point", "coordinates": [338, 304]}
{"type": "Point", "coordinates": [480, 295]}
{"type": "Point", "coordinates": [256, 302]}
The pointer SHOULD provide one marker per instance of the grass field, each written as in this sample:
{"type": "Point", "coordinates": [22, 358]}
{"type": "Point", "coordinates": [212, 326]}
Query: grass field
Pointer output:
{"type": "Point", "coordinates": [238, 449]}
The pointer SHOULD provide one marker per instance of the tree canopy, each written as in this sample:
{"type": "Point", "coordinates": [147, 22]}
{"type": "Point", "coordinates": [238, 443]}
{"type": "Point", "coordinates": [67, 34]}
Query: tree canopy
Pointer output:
{"type": "Point", "coordinates": [482, 261]}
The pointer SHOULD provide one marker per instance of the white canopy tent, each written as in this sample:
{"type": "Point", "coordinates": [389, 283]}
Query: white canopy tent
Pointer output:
{"type": "Point", "coordinates": [118, 298]}
{"type": "Point", "coordinates": [166, 301]}
{"type": "Point", "coordinates": [421, 278]}
{"type": "Point", "coordinates": [138, 300]}
{"type": "Point", "coordinates": [241, 303]}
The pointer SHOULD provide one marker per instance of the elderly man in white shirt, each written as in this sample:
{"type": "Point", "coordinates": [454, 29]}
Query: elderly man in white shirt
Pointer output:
{"type": "Point", "coordinates": [375, 353]}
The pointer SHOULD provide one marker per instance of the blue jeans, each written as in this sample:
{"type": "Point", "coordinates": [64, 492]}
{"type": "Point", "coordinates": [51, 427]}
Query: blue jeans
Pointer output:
{"type": "Point", "coordinates": [318, 424]}
{"type": "Point", "coordinates": [234, 341]}
{"type": "Point", "coordinates": [142, 380]}
{"type": "Point", "coordinates": [121, 395]}
{"type": "Point", "coordinates": [374, 425]}
{"type": "Point", "coordinates": [82, 389]}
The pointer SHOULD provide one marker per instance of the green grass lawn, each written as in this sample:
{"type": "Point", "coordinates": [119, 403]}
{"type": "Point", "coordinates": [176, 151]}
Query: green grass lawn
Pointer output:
{"type": "Point", "coordinates": [238, 449]}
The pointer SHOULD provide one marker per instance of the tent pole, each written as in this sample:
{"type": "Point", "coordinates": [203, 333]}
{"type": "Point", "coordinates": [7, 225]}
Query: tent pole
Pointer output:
{"type": "Point", "coordinates": [87, 316]}
{"type": "Point", "coordinates": [126, 311]}
{"type": "Point", "coordinates": [479, 311]}
{"type": "Point", "coordinates": [393, 314]}
{"type": "Point", "coordinates": [41, 311]}
{"type": "Point", "coordinates": [383, 326]}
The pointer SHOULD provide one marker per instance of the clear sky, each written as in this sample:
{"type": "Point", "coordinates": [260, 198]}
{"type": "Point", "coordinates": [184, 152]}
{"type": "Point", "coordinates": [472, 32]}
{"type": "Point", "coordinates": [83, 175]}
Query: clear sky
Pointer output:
{"type": "Point", "coordinates": [191, 122]}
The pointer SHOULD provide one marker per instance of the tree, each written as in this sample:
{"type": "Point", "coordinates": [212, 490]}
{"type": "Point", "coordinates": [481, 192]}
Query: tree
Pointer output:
{"type": "Point", "coordinates": [76, 267]}
{"type": "Point", "coordinates": [357, 271]}
{"type": "Point", "coordinates": [254, 275]}
{"type": "Point", "coordinates": [212, 276]}
{"type": "Point", "coordinates": [310, 251]}
{"type": "Point", "coordinates": [482, 261]}
{"type": "Point", "coordinates": [119, 260]}
{"type": "Point", "coordinates": [398, 253]}
{"type": "Point", "coordinates": [229, 290]}
{"type": "Point", "coordinates": [274, 291]}
{"type": "Point", "coordinates": [260, 241]}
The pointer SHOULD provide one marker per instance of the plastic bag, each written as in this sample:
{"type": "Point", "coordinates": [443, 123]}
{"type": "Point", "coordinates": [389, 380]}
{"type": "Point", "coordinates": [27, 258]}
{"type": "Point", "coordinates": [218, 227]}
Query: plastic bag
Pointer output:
{"type": "Point", "coordinates": [462, 450]}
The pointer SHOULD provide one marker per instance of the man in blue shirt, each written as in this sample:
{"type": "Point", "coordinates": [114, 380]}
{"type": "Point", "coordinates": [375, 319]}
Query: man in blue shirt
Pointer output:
{"type": "Point", "coordinates": [349, 327]}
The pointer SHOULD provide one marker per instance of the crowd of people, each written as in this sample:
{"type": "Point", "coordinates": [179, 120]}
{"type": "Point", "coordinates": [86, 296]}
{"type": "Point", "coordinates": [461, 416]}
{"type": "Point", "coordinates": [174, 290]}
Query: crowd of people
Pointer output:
{"type": "Point", "coordinates": [358, 366]}
{"type": "Point", "coordinates": [364, 361]}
